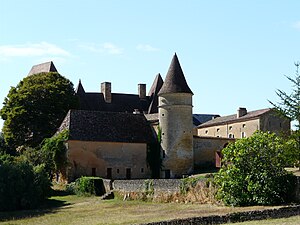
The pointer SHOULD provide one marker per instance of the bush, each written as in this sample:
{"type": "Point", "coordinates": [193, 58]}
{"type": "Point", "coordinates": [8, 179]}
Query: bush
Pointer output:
{"type": "Point", "coordinates": [22, 185]}
{"type": "Point", "coordinates": [253, 172]}
{"type": "Point", "coordinates": [88, 186]}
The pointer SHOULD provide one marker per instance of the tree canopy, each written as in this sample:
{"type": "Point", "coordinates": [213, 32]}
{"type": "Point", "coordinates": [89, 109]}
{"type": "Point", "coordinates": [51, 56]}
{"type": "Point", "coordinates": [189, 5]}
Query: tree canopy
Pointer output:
{"type": "Point", "coordinates": [34, 109]}
{"type": "Point", "coordinates": [289, 106]}
{"type": "Point", "coordinates": [253, 172]}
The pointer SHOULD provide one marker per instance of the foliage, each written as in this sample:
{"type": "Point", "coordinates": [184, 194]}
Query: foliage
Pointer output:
{"type": "Point", "coordinates": [54, 152]}
{"type": "Point", "coordinates": [292, 149]}
{"type": "Point", "coordinates": [289, 104]}
{"type": "Point", "coordinates": [88, 186]}
{"type": "Point", "coordinates": [253, 172]}
{"type": "Point", "coordinates": [153, 155]}
{"type": "Point", "coordinates": [22, 185]}
{"type": "Point", "coordinates": [188, 183]}
{"type": "Point", "coordinates": [35, 108]}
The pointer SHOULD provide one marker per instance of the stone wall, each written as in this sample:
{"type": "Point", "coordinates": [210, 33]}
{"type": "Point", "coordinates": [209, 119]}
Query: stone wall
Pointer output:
{"type": "Point", "coordinates": [159, 185]}
{"type": "Point", "coordinates": [236, 217]}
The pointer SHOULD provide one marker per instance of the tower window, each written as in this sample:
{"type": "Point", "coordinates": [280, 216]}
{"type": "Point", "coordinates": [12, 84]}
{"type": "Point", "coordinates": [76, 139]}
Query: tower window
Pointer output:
{"type": "Point", "coordinates": [206, 131]}
{"type": "Point", "coordinates": [218, 129]}
{"type": "Point", "coordinates": [230, 127]}
{"type": "Point", "coordinates": [118, 171]}
{"type": "Point", "coordinates": [142, 170]}
{"type": "Point", "coordinates": [244, 125]}
{"type": "Point", "coordinates": [163, 114]}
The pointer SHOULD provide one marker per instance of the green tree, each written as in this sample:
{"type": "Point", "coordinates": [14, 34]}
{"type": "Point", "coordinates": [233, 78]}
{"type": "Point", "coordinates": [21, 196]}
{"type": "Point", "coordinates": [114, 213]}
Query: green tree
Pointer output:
{"type": "Point", "coordinates": [22, 186]}
{"type": "Point", "coordinates": [253, 172]}
{"type": "Point", "coordinates": [289, 106]}
{"type": "Point", "coordinates": [34, 109]}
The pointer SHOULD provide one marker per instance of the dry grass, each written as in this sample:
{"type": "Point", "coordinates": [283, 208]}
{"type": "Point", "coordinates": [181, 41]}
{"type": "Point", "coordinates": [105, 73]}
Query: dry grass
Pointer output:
{"type": "Point", "coordinates": [79, 210]}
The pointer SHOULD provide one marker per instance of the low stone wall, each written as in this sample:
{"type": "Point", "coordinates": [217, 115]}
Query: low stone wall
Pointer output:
{"type": "Point", "coordinates": [159, 185]}
{"type": "Point", "coordinates": [236, 217]}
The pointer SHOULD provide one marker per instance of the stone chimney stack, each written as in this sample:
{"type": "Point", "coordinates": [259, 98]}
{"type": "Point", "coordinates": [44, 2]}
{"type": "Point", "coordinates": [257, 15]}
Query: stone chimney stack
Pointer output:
{"type": "Point", "coordinates": [241, 112]}
{"type": "Point", "coordinates": [142, 91]}
{"type": "Point", "coordinates": [106, 91]}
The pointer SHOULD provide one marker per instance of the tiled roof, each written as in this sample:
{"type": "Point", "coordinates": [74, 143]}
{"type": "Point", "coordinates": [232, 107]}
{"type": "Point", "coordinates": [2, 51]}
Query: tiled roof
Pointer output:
{"type": "Point", "coordinates": [203, 118]}
{"type": "Point", "coordinates": [119, 102]}
{"type": "Point", "coordinates": [43, 68]}
{"type": "Point", "coordinates": [153, 94]}
{"type": "Point", "coordinates": [233, 118]}
{"type": "Point", "coordinates": [107, 127]}
{"type": "Point", "coordinates": [175, 81]}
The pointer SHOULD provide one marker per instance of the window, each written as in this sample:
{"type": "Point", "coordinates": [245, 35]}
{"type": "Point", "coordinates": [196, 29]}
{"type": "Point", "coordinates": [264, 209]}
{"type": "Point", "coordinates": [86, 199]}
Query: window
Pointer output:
{"type": "Point", "coordinates": [218, 129]}
{"type": "Point", "coordinates": [118, 171]}
{"type": "Point", "coordinates": [206, 132]}
{"type": "Point", "coordinates": [231, 135]}
{"type": "Point", "coordinates": [163, 154]}
{"type": "Point", "coordinates": [244, 125]}
{"type": "Point", "coordinates": [243, 134]}
{"type": "Point", "coordinates": [230, 127]}
{"type": "Point", "coordinates": [142, 170]}
{"type": "Point", "coordinates": [162, 114]}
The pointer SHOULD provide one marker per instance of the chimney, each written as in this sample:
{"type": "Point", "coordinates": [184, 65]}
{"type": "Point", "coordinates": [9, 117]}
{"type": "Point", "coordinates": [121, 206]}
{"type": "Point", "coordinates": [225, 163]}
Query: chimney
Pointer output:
{"type": "Point", "coordinates": [106, 91]}
{"type": "Point", "coordinates": [241, 112]}
{"type": "Point", "coordinates": [142, 91]}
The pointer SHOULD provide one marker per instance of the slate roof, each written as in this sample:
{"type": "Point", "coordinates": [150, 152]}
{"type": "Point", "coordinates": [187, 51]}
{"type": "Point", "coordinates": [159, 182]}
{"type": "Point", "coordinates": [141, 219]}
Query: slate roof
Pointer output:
{"type": "Point", "coordinates": [107, 127]}
{"type": "Point", "coordinates": [43, 68]}
{"type": "Point", "coordinates": [119, 102]}
{"type": "Point", "coordinates": [153, 94]}
{"type": "Point", "coordinates": [233, 118]}
{"type": "Point", "coordinates": [203, 118]}
{"type": "Point", "coordinates": [175, 81]}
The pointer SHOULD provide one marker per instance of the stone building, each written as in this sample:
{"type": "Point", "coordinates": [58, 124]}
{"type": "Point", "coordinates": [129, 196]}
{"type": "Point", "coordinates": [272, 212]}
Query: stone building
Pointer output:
{"type": "Point", "coordinates": [110, 133]}
{"type": "Point", "coordinates": [244, 124]}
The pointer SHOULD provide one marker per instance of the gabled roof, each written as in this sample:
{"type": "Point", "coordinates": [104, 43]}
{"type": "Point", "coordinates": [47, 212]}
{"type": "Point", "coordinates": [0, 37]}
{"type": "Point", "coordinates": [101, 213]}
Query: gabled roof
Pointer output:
{"type": "Point", "coordinates": [156, 86]}
{"type": "Point", "coordinates": [107, 127]}
{"type": "Point", "coordinates": [80, 90]}
{"type": "Point", "coordinates": [43, 68]}
{"type": "Point", "coordinates": [153, 94]}
{"type": "Point", "coordinates": [203, 118]}
{"type": "Point", "coordinates": [233, 118]}
{"type": "Point", "coordinates": [175, 81]}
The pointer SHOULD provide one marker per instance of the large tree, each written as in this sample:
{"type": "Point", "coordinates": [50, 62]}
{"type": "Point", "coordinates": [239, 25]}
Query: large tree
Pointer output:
{"type": "Point", "coordinates": [289, 106]}
{"type": "Point", "coordinates": [34, 109]}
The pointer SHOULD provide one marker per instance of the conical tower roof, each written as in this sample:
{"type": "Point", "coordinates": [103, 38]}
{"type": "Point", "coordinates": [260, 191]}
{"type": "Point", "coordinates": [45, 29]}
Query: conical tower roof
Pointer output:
{"type": "Point", "coordinates": [43, 68]}
{"type": "Point", "coordinates": [175, 81]}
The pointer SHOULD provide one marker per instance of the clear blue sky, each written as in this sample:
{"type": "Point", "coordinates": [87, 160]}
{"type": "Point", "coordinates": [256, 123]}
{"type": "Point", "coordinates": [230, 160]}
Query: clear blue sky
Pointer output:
{"type": "Point", "coordinates": [233, 53]}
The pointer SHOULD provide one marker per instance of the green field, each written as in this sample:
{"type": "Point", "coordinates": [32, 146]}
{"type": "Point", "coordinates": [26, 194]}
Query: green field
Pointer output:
{"type": "Point", "coordinates": [71, 209]}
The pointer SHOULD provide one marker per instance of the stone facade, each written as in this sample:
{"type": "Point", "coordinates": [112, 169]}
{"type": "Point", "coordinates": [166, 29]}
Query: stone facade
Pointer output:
{"type": "Point", "coordinates": [245, 126]}
{"type": "Point", "coordinates": [207, 151]}
{"type": "Point", "coordinates": [112, 160]}
{"type": "Point", "coordinates": [175, 117]}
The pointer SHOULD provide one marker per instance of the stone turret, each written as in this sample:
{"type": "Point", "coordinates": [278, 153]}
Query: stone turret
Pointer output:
{"type": "Point", "coordinates": [176, 124]}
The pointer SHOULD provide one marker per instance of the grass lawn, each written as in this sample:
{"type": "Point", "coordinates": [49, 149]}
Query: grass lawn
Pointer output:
{"type": "Point", "coordinates": [71, 209]}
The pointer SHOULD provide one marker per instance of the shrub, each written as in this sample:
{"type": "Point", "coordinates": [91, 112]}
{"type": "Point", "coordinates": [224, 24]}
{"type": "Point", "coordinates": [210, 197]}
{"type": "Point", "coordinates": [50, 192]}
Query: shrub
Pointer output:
{"type": "Point", "coordinates": [87, 186]}
{"type": "Point", "coordinates": [253, 172]}
{"type": "Point", "coordinates": [22, 185]}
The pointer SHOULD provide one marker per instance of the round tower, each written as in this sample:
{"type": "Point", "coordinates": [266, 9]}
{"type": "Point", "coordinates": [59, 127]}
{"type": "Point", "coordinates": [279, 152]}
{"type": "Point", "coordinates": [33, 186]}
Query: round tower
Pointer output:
{"type": "Point", "coordinates": [176, 123]}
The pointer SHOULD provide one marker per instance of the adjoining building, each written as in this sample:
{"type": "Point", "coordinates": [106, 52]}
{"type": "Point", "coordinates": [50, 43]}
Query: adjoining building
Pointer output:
{"type": "Point", "coordinates": [110, 133]}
